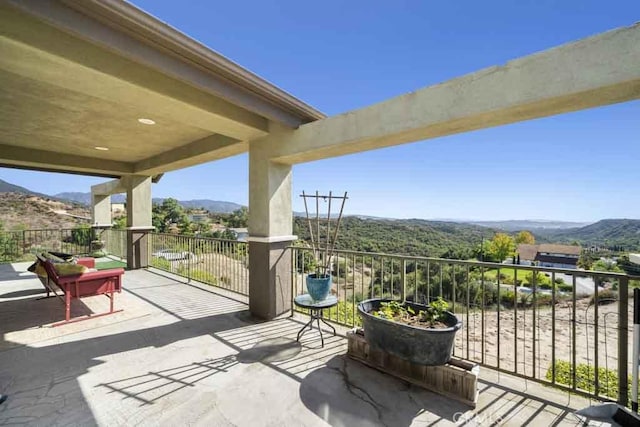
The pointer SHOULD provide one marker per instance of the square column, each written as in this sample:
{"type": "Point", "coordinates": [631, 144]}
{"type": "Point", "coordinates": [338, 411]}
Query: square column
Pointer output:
{"type": "Point", "coordinates": [138, 220]}
{"type": "Point", "coordinates": [270, 228]}
{"type": "Point", "coordinates": [100, 210]}
{"type": "Point", "coordinates": [270, 276]}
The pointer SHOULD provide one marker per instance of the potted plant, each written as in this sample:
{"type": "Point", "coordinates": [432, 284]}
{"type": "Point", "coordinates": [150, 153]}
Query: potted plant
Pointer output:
{"type": "Point", "coordinates": [422, 334]}
{"type": "Point", "coordinates": [323, 243]}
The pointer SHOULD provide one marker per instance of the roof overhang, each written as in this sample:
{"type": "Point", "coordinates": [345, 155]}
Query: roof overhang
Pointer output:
{"type": "Point", "coordinates": [78, 75]}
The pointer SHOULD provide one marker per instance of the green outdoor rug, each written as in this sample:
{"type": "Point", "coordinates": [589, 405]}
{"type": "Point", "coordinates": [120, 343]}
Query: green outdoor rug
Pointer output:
{"type": "Point", "coordinates": [110, 264]}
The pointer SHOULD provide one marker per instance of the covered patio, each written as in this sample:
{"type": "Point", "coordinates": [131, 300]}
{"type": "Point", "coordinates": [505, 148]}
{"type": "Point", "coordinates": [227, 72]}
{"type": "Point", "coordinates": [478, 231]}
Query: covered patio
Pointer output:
{"type": "Point", "coordinates": [102, 88]}
{"type": "Point", "coordinates": [182, 354]}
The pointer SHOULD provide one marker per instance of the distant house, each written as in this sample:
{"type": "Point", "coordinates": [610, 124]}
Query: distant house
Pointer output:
{"type": "Point", "coordinates": [218, 227]}
{"type": "Point", "coordinates": [118, 208]}
{"type": "Point", "coordinates": [198, 217]}
{"type": "Point", "coordinates": [549, 255]}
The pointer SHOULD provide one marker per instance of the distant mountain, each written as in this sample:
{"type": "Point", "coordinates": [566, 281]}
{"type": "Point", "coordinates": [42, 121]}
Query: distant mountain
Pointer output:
{"type": "Point", "coordinates": [210, 205]}
{"type": "Point", "coordinates": [216, 206]}
{"type": "Point", "coordinates": [6, 187]}
{"type": "Point", "coordinates": [531, 225]}
{"type": "Point", "coordinates": [621, 233]}
{"type": "Point", "coordinates": [411, 236]}
{"type": "Point", "coordinates": [85, 198]}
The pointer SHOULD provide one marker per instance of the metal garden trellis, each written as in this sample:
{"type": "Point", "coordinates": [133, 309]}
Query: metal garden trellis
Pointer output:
{"type": "Point", "coordinates": [323, 253]}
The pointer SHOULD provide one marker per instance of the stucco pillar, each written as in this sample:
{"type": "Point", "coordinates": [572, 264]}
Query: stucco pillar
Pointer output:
{"type": "Point", "coordinates": [270, 228]}
{"type": "Point", "coordinates": [138, 220]}
{"type": "Point", "coordinates": [100, 210]}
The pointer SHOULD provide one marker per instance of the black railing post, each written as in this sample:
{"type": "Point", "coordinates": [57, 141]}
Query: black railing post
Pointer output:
{"type": "Point", "coordinates": [636, 348]}
{"type": "Point", "coordinates": [189, 260]}
{"type": "Point", "coordinates": [623, 341]}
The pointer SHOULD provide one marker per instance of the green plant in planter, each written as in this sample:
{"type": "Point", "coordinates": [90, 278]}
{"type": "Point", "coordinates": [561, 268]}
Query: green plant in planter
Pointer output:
{"type": "Point", "coordinates": [433, 316]}
{"type": "Point", "coordinates": [435, 312]}
{"type": "Point", "coordinates": [391, 310]}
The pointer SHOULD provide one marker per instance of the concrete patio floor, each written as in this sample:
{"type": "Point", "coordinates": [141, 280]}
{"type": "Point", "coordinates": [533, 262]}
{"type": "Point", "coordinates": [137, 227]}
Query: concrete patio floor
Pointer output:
{"type": "Point", "coordinates": [186, 354]}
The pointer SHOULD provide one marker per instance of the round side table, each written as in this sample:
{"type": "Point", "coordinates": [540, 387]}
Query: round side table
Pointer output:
{"type": "Point", "coordinates": [315, 309]}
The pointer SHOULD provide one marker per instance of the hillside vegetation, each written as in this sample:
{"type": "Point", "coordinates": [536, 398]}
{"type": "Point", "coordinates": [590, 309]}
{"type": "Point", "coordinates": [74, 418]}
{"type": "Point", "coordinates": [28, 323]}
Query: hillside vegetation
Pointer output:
{"type": "Point", "coordinates": [215, 206]}
{"type": "Point", "coordinates": [20, 211]}
{"type": "Point", "coordinates": [21, 208]}
{"type": "Point", "coordinates": [616, 234]}
{"type": "Point", "coordinates": [407, 237]}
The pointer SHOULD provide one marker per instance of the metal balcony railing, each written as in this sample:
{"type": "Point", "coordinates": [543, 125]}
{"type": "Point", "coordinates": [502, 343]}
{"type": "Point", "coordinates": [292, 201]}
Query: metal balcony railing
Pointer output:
{"type": "Point", "coordinates": [564, 327]}
{"type": "Point", "coordinates": [21, 245]}
{"type": "Point", "coordinates": [115, 242]}
{"type": "Point", "coordinates": [567, 328]}
{"type": "Point", "coordinates": [217, 262]}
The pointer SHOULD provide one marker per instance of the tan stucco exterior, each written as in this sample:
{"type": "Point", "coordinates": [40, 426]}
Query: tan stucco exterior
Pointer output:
{"type": "Point", "coordinates": [79, 75]}
{"type": "Point", "coordinates": [595, 71]}
{"type": "Point", "coordinates": [100, 210]}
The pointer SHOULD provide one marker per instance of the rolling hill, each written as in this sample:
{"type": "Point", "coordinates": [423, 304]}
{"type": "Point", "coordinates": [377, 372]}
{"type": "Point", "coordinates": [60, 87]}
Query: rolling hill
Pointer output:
{"type": "Point", "coordinates": [7, 187]}
{"type": "Point", "coordinates": [215, 206]}
{"type": "Point", "coordinates": [528, 224]}
{"type": "Point", "coordinates": [621, 233]}
{"type": "Point", "coordinates": [362, 233]}
{"type": "Point", "coordinates": [85, 198]}
{"type": "Point", "coordinates": [405, 236]}
{"type": "Point", "coordinates": [32, 212]}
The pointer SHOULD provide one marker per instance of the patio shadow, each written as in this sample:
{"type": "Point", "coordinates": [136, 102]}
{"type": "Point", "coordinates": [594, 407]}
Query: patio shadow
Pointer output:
{"type": "Point", "coordinates": [23, 293]}
{"type": "Point", "coordinates": [346, 393]}
{"type": "Point", "coordinates": [271, 350]}
{"type": "Point", "coordinates": [154, 385]}
{"type": "Point", "coordinates": [29, 313]}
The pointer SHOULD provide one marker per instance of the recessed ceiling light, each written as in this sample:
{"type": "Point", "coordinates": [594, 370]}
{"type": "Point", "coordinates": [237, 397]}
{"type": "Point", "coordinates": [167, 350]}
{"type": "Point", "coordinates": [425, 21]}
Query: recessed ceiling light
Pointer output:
{"type": "Point", "coordinates": [102, 148]}
{"type": "Point", "coordinates": [146, 121]}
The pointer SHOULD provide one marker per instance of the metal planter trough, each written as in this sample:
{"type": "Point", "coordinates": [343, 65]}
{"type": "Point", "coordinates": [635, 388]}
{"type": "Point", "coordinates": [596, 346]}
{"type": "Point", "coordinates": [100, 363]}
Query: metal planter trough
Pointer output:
{"type": "Point", "coordinates": [429, 347]}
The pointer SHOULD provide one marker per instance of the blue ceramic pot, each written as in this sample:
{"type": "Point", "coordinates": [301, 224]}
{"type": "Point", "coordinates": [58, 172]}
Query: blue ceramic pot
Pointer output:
{"type": "Point", "coordinates": [319, 287]}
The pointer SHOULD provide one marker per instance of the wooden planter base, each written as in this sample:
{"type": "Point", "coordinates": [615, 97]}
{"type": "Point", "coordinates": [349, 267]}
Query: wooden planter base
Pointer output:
{"type": "Point", "coordinates": [457, 379]}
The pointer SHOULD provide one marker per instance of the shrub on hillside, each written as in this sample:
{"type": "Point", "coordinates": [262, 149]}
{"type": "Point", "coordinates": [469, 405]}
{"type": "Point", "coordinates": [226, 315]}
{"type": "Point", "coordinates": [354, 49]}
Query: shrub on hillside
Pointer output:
{"type": "Point", "coordinates": [606, 296]}
{"type": "Point", "coordinates": [585, 378]}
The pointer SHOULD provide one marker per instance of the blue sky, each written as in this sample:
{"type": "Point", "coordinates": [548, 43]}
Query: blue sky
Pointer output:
{"type": "Point", "coordinates": [339, 56]}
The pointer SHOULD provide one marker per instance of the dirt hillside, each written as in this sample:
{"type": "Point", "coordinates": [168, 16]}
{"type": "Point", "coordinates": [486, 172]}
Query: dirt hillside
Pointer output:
{"type": "Point", "coordinates": [21, 211]}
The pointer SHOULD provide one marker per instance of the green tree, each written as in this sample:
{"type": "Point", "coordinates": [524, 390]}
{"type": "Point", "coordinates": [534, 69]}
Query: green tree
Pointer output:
{"type": "Point", "coordinates": [605, 265]}
{"type": "Point", "coordinates": [525, 237]}
{"type": "Point", "coordinates": [483, 251]}
{"type": "Point", "coordinates": [239, 218]}
{"type": "Point", "coordinates": [586, 260]}
{"type": "Point", "coordinates": [82, 235]}
{"type": "Point", "coordinates": [120, 222]}
{"type": "Point", "coordinates": [9, 245]}
{"type": "Point", "coordinates": [168, 213]}
{"type": "Point", "coordinates": [501, 246]}
{"type": "Point", "coordinates": [225, 235]}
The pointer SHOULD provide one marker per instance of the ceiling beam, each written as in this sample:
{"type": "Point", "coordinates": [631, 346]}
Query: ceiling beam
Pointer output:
{"type": "Point", "coordinates": [596, 71]}
{"type": "Point", "coordinates": [204, 150]}
{"type": "Point", "coordinates": [41, 52]}
{"type": "Point", "coordinates": [109, 188]}
{"type": "Point", "coordinates": [28, 158]}
{"type": "Point", "coordinates": [48, 169]}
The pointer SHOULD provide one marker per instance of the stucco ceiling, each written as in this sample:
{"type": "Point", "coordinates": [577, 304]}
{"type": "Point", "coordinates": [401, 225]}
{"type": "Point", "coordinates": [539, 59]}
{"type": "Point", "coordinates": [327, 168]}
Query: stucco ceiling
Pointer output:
{"type": "Point", "coordinates": [37, 115]}
{"type": "Point", "coordinates": [70, 83]}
